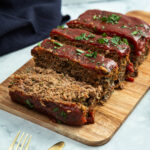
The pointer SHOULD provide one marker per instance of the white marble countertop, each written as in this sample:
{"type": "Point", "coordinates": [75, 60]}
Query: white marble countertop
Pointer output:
{"type": "Point", "coordinates": [134, 134]}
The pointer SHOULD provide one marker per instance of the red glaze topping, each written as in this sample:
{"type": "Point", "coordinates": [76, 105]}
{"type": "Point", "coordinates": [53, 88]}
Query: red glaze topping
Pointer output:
{"type": "Point", "coordinates": [130, 67]}
{"type": "Point", "coordinates": [85, 37]}
{"type": "Point", "coordinates": [97, 21]}
{"type": "Point", "coordinates": [130, 79]}
{"type": "Point", "coordinates": [57, 112]}
{"type": "Point", "coordinates": [87, 59]}
{"type": "Point", "coordinates": [75, 116]}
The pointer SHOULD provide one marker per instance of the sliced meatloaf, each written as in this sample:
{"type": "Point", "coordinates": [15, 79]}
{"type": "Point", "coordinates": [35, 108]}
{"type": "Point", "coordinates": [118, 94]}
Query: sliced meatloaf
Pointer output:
{"type": "Point", "coordinates": [59, 96]}
{"type": "Point", "coordinates": [85, 66]}
{"type": "Point", "coordinates": [111, 47]}
{"type": "Point", "coordinates": [135, 30]}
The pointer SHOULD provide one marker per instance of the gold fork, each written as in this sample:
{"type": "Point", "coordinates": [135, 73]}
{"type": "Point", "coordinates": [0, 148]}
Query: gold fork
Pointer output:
{"type": "Point", "coordinates": [27, 136]}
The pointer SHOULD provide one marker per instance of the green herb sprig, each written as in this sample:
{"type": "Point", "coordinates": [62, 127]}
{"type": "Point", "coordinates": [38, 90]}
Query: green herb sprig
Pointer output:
{"type": "Point", "coordinates": [138, 33]}
{"type": "Point", "coordinates": [61, 27]}
{"type": "Point", "coordinates": [83, 36]}
{"type": "Point", "coordinates": [56, 109]}
{"type": "Point", "coordinates": [116, 40]}
{"type": "Point", "coordinates": [58, 44]}
{"type": "Point", "coordinates": [79, 51]}
{"type": "Point", "coordinates": [63, 114]}
{"type": "Point", "coordinates": [103, 41]}
{"type": "Point", "coordinates": [124, 26]}
{"type": "Point", "coordinates": [94, 54]}
{"type": "Point", "coordinates": [113, 18]}
{"type": "Point", "coordinates": [29, 103]}
{"type": "Point", "coordinates": [104, 34]}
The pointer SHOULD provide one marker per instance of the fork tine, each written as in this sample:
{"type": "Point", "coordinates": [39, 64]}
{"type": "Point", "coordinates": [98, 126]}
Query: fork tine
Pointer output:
{"type": "Point", "coordinates": [13, 143]}
{"type": "Point", "coordinates": [27, 145]}
{"type": "Point", "coordinates": [24, 142]}
{"type": "Point", "coordinates": [19, 141]}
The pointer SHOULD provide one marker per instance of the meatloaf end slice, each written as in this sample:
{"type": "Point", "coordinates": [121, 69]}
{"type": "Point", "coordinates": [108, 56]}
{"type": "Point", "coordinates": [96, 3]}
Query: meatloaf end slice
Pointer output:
{"type": "Point", "coordinates": [59, 96]}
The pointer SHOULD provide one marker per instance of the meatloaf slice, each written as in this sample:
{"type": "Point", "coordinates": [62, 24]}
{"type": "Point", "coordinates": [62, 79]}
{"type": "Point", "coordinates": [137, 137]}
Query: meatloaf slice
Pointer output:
{"type": "Point", "coordinates": [111, 47]}
{"type": "Point", "coordinates": [85, 66]}
{"type": "Point", "coordinates": [59, 96]}
{"type": "Point", "coordinates": [135, 30]}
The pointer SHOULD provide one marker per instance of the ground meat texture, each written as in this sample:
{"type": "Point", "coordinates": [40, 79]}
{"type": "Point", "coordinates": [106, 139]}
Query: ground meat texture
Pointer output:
{"type": "Point", "coordinates": [83, 66]}
{"type": "Point", "coordinates": [111, 47]}
{"type": "Point", "coordinates": [59, 96]}
{"type": "Point", "coordinates": [135, 30]}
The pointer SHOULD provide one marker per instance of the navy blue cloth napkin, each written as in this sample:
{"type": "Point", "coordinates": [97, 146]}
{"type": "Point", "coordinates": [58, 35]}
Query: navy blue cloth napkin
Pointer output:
{"type": "Point", "coordinates": [24, 22]}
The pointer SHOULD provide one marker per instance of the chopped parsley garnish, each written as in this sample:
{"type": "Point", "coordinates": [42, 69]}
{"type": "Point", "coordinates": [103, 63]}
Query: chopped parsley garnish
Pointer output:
{"type": "Point", "coordinates": [84, 37]}
{"type": "Point", "coordinates": [124, 26]}
{"type": "Point", "coordinates": [104, 19]}
{"type": "Point", "coordinates": [116, 40]}
{"type": "Point", "coordinates": [104, 34]}
{"type": "Point", "coordinates": [94, 54]}
{"type": "Point", "coordinates": [136, 27]}
{"type": "Point", "coordinates": [94, 17]}
{"type": "Point", "coordinates": [103, 27]}
{"type": "Point", "coordinates": [103, 41]}
{"type": "Point", "coordinates": [61, 27]}
{"type": "Point", "coordinates": [98, 63]}
{"type": "Point", "coordinates": [63, 114]}
{"type": "Point", "coordinates": [81, 37]}
{"type": "Point", "coordinates": [139, 33]}
{"type": "Point", "coordinates": [103, 64]}
{"type": "Point", "coordinates": [55, 109]}
{"type": "Point", "coordinates": [141, 25]}
{"type": "Point", "coordinates": [92, 61]}
{"type": "Point", "coordinates": [125, 41]}
{"type": "Point", "coordinates": [91, 36]}
{"type": "Point", "coordinates": [78, 38]}
{"type": "Point", "coordinates": [113, 19]}
{"type": "Point", "coordinates": [79, 51]}
{"type": "Point", "coordinates": [39, 44]}
{"type": "Point", "coordinates": [58, 44]}
{"type": "Point", "coordinates": [29, 103]}
{"type": "Point", "coordinates": [135, 32]}
{"type": "Point", "coordinates": [11, 83]}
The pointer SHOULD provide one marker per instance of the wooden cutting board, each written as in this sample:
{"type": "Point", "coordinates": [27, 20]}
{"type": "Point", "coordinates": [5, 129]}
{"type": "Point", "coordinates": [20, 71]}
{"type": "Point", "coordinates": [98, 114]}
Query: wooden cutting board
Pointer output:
{"type": "Point", "coordinates": [108, 117]}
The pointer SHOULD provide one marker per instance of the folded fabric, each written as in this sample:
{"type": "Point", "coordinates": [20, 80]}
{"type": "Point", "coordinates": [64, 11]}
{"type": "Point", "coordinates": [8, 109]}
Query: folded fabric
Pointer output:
{"type": "Point", "coordinates": [25, 22]}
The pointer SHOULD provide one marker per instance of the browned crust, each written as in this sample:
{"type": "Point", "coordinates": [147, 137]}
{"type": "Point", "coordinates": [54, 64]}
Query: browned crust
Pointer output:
{"type": "Point", "coordinates": [71, 113]}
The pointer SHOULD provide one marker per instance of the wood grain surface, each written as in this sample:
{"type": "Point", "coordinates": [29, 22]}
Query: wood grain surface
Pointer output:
{"type": "Point", "coordinates": [108, 117]}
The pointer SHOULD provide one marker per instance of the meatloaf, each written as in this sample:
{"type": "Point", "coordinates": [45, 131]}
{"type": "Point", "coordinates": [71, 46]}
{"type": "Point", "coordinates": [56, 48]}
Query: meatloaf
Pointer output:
{"type": "Point", "coordinates": [135, 30]}
{"type": "Point", "coordinates": [86, 66]}
{"type": "Point", "coordinates": [59, 96]}
{"type": "Point", "coordinates": [111, 47]}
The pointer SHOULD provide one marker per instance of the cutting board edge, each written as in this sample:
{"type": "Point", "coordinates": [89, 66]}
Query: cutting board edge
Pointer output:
{"type": "Point", "coordinates": [83, 140]}
{"type": "Point", "coordinates": [35, 121]}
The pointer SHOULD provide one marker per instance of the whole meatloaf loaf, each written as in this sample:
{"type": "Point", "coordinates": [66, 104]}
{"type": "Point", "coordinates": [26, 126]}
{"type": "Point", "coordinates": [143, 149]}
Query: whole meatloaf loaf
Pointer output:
{"type": "Point", "coordinates": [59, 96]}
{"type": "Point", "coordinates": [135, 30]}
{"type": "Point", "coordinates": [111, 47]}
{"type": "Point", "coordinates": [85, 66]}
